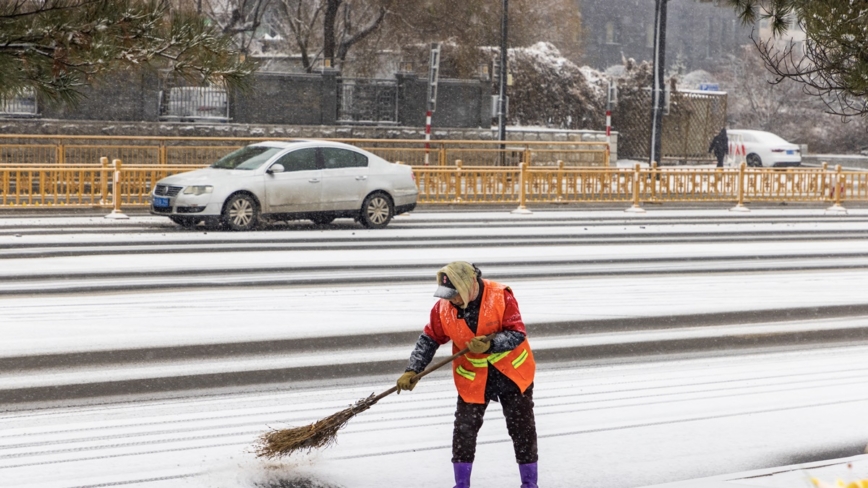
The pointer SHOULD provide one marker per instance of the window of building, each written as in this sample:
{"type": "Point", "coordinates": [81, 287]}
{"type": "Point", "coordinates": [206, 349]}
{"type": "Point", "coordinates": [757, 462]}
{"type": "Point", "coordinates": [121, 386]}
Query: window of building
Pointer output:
{"type": "Point", "coordinates": [649, 35]}
{"type": "Point", "coordinates": [611, 33]}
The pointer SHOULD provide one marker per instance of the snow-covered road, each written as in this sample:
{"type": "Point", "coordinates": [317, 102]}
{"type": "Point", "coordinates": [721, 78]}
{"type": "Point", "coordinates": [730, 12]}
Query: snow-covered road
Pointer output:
{"type": "Point", "coordinates": [604, 422]}
{"type": "Point", "coordinates": [603, 425]}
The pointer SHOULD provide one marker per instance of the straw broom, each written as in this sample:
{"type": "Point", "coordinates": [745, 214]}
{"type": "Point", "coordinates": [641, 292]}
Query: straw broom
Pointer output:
{"type": "Point", "coordinates": [323, 433]}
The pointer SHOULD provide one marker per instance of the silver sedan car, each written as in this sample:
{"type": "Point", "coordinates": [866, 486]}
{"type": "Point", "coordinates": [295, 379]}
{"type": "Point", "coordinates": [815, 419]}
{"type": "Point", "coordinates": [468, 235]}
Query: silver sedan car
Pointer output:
{"type": "Point", "coordinates": [316, 180]}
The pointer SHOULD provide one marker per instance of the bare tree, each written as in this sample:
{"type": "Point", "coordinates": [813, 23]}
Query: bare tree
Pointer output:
{"type": "Point", "coordinates": [831, 62]}
{"type": "Point", "coordinates": [359, 20]}
{"type": "Point", "coordinates": [757, 102]}
{"type": "Point", "coordinates": [297, 20]}
{"type": "Point", "coordinates": [328, 28]}
{"type": "Point", "coordinates": [239, 19]}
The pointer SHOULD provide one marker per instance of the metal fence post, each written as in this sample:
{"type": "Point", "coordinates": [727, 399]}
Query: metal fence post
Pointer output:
{"type": "Point", "coordinates": [560, 181]}
{"type": "Point", "coordinates": [458, 165]}
{"type": "Point", "coordinates": [837, 190]}
{"type": "Point", "coordinates": [636, 208]}
{"type": "Point", "coordinates": [116, 193]}
{"type": "Point", "coordinates": [741, 184]}
{"type": "Point", "coordinates": [824, 169]}
{"type": "Point", "coordinates": [103, 176]}
{"type": "Point", "coordinates": [522, 192]}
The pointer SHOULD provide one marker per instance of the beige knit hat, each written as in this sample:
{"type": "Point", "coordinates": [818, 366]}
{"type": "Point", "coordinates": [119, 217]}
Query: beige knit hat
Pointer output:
{"type": "Point", "coordinates": [456, 278]}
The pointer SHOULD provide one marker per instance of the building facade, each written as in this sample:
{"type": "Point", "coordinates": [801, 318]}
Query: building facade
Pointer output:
{"type": "Point", "coordinates": [699, 34]}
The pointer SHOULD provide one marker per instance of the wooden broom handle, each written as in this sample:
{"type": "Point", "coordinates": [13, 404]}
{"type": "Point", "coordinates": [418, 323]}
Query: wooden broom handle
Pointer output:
{"type": "Point", "coordinates": [431, 368]}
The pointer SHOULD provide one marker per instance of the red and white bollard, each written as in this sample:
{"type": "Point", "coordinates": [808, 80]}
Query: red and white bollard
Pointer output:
{"type": "Point", "coordinates": [427, 135]}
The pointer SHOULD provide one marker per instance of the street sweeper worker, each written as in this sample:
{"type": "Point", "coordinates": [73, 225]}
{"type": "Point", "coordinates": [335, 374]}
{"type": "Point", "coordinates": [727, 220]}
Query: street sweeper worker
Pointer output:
{"type": "Point", "coordinates": [500, 369]}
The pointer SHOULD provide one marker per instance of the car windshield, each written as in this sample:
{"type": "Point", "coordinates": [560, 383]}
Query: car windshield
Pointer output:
{"type": "Point", "coordinates": [250, 157]}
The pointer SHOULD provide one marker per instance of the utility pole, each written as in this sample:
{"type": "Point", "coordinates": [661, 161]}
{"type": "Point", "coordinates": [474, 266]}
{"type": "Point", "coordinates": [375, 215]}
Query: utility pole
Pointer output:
{"type": "Point", "coordinates": [501, 110]}
{"type": "Point", "coordinates": [658, 91]}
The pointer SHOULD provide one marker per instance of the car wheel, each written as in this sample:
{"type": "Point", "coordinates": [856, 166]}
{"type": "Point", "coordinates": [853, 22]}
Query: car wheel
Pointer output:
{"type": "Point", "coordinates": [184, 222]}
{"type": "Point", "coordinates": [377, 211]}
{"type": "Point", "coordinates": [240, 212]}
{"type": "Point", "coordinates": [754, 161]}
{"type": "Point", "coordinates": [322, 219]}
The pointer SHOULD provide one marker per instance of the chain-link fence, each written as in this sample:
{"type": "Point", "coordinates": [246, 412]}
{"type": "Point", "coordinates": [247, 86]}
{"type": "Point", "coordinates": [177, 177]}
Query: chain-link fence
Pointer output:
{"type": "Point", "coordinates": [693, 119]}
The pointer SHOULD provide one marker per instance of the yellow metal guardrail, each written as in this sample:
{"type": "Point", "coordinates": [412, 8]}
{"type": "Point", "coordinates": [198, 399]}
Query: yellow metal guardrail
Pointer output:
{"type": "Point", "coordinates": [94, 185]}
{"type": "Point", "coordinates": [76, 150]}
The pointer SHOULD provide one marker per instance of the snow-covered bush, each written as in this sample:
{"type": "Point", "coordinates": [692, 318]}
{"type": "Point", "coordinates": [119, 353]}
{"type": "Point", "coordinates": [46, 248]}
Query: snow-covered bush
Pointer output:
{"type": "Point", "coordinates": [551, 91]}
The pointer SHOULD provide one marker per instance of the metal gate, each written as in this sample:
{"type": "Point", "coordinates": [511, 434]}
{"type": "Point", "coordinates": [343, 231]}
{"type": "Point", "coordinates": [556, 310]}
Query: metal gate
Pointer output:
{"type": "Point", "coordinates": [193, 103]}
{"type": "Point", "coordinates": [20, 103]}
{"type": "Point", "coordinates": [367, 101]}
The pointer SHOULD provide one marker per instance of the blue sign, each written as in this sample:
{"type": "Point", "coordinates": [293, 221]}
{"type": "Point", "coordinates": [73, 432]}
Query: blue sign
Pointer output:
{"type": "Point", "coordinates": [709, 87]}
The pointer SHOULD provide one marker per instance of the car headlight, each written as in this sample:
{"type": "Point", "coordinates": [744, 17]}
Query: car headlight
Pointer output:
{"type": "Point", "coordinates": [198, 190]}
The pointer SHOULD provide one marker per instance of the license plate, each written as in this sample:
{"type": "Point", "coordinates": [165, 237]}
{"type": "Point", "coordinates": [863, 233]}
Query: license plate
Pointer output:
{"type": "Point", "coordinates": [161, 202]}
{"type": "Point", "coordinates": [790, 151]}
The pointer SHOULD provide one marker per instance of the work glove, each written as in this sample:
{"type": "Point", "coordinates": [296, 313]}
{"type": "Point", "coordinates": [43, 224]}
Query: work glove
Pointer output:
{"type": "Point", "coordinates": [407, 381]}
{"type": "Point", "coordinates": [479, 344]}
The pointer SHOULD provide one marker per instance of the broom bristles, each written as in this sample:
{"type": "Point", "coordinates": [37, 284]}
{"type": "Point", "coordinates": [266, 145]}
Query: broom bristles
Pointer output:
{"type": "Point", "coordinates": [322, 433]}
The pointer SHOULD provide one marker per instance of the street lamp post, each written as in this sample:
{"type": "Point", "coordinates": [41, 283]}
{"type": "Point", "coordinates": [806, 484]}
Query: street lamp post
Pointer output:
{"type": "Point", "coordinates": [658, 91]}
{"type": "Point", "coordinates": [501, 109]}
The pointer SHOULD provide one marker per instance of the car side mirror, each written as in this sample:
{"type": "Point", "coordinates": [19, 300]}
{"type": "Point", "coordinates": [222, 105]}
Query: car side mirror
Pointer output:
{"type": "Point", "coordinates": [276, 168]}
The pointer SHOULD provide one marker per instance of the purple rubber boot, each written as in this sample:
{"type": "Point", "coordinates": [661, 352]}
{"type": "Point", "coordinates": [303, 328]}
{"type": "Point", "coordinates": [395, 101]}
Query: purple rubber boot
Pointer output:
{"type": "Point", "coordinates": [528, 474]}
{"type": "Point", "coordinates": [462, 474]}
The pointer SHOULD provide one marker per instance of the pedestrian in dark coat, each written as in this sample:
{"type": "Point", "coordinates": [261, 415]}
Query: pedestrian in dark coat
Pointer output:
{"type": "Point", "coordinates": [720, 147]}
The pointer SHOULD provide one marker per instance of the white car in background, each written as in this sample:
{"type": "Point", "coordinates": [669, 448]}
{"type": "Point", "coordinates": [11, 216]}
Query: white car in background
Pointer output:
{"type": "Point", "coordinates": [763, 149]}
{"type": "Point", "coordinates": [315, 180]}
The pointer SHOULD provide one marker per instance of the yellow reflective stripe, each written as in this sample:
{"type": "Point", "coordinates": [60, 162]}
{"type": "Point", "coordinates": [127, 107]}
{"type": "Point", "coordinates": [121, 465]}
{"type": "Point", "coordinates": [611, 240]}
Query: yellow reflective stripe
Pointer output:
{"type": "Point", "coordinates": [493, 358]}
{"type": "Point", "coordinates": [470, 375]}
{"type": "Point", "coordinates": [520, 359]}
{"type": "Point", "coordinates": [478, 363]}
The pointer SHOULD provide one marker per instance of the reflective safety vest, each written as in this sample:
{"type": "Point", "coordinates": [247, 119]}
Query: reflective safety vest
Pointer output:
{"type": "Point", "coordinates": [470, 371]}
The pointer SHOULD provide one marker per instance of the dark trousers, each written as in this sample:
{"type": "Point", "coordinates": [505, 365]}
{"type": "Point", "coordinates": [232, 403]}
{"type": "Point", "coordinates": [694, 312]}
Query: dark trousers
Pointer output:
{"type": "Point", "coordinates": [520, 423]}
{"type": "Point", "coordinates": [720, 160]}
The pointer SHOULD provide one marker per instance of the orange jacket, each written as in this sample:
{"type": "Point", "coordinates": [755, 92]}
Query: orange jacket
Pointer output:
{"type": "Point", "coordinates": [470, 371]}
